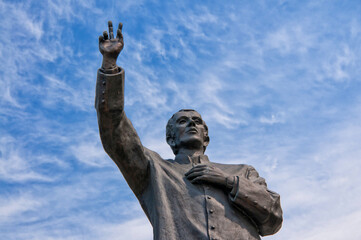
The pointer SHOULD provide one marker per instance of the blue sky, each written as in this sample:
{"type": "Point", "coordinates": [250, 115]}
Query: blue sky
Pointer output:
{"type": "Point", "coordinates": [277, 82]}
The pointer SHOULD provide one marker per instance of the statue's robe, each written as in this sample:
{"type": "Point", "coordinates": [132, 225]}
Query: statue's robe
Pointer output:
{"type": "Point", "coordinates": [177, 208]}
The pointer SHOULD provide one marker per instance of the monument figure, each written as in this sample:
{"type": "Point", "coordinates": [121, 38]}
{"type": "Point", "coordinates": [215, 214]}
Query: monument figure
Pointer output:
{"type": "Point", "coordinates": [188, 197]}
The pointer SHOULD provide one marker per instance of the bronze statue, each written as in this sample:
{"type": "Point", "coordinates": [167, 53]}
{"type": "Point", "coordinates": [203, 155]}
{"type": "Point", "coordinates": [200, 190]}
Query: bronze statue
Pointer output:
{"type": "Point", "coordinates": [188, 197]}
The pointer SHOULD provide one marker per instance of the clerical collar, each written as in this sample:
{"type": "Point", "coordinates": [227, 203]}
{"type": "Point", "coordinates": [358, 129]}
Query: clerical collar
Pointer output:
{"type": "Point", "coordinates": [185, 159]}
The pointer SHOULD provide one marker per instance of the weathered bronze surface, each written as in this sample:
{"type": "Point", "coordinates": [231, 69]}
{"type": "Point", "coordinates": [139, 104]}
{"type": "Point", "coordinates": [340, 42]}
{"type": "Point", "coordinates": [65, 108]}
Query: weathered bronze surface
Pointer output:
{"type": "Point", "coordinates": [188, 197]}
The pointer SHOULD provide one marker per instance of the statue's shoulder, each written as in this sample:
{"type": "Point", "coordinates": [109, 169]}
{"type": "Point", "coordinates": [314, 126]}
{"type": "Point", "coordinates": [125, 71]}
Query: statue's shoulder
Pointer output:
{"type": "Point", "coordinates": [155, 157]}
{"type": "Point", "coordinates": [238, 169]}
{"type": "Point", "coordinates": [151, 155]}
{"type": "Point", "coordinates": [228, 165]}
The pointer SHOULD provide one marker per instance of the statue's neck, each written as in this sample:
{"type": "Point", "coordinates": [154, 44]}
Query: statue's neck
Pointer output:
{"type": "Point", "coordinates": [191, 152]}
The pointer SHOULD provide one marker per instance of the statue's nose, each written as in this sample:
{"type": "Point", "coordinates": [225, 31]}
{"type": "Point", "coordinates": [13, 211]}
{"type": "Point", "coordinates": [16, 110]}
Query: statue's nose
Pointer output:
{"type": "Point", "coordinates": [191, 123]}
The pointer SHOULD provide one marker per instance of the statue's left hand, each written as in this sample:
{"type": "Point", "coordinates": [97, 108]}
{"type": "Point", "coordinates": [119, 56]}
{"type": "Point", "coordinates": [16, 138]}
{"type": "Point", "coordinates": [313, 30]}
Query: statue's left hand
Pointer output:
{"type": "Point", "coordinates": [207, 174]}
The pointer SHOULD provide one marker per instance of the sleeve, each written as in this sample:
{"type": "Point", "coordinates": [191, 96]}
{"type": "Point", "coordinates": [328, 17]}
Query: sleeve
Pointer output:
{"type": "Point", "coordinates": [118, 136]}
{"type": "Point", "coordinates": [263, 206]}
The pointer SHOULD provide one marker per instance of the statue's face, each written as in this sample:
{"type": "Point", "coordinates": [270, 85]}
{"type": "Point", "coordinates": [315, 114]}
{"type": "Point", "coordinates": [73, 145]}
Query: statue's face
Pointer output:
{"type": "Point", "coordinates": [189, 130]}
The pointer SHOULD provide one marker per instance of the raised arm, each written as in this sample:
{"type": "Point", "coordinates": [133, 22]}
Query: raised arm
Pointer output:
{"type": "Point", "coordinates": [119, 138]}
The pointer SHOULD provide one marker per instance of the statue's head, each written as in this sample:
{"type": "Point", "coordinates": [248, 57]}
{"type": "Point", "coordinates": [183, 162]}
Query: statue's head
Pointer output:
{"type": "Point", "coordinates": [186, 129]}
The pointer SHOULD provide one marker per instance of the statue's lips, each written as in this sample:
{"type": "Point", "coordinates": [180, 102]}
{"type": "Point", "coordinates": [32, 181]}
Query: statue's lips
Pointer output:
{"type": "Point", "coordinates": [192, 130]}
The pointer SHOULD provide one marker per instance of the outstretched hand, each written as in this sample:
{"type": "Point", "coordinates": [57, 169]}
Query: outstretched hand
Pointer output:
{"type": "Point", "coordinates": [207, 174]}
{"type": "Point", "coordinates": [110, 47]}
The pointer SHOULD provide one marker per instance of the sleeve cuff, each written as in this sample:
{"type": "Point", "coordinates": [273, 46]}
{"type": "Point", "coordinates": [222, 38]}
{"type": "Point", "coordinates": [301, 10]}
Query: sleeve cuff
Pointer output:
{"type": "Point", "coordinates": [111, 71]}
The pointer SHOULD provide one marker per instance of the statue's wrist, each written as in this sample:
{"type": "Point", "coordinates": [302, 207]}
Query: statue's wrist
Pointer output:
{"type": "Point", "coordinates": [108, 64]}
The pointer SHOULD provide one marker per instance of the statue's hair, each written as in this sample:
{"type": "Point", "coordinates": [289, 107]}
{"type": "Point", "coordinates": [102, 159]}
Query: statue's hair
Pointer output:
{"type": "Point", "coordinates": [170, 132]}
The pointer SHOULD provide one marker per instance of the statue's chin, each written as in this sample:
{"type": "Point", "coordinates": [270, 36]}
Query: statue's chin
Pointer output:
{"type": "Point", "coordinates": [192, 142]}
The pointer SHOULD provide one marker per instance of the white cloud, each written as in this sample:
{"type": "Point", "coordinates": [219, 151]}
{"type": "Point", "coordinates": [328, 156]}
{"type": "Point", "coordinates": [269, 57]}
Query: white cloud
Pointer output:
{"type": "Point", "coordinates": [338, 66]}
{"type": "Point", "coordinates": [14, 207]}
{"type": "Point", "coordinates": [14, 165]}
{"type": "Point", "coordinates": [273, 119]}
{"type": "Point", "coordinates": [291, 39]}
{"type": "Point", "coordinates": [319, 192]}
{"type": "Point", "coordinates": [229, 121]}
{"type": "Point", "coordinates": [147, 90]}
{"type": "Point", "coordinates": [90, 153]}
{"type": "Point", "coordinates": [139, 228]}
{"type": "Point", "coordinates": [247, 68]}
{"type": "Point", "coordinates": [159, 145]}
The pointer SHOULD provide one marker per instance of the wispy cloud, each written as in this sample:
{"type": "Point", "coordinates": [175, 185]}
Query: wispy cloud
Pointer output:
{"type": "Point", "coordinates": [291, 39]}
{"type": "Point", "coordinates": [277, 84]}
{"type": "Point", "coordinates": [15, 166]}
{"type": "Point", "coordinates": [274, 118]}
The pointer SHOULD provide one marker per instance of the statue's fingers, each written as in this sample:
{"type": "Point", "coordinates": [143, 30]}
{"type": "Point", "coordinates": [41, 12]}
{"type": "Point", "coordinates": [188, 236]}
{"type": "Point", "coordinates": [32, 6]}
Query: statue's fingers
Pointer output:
{"type": "Point", "coordinates": [191, 176]}
{"type": "Point", "coordinates": [111, 34]}
{"type": "Point", "coordinates": [195, 174]}
{"type": "Point", "coordinates": [196, 169]}
{"type": "Point", "coordinates": [120, 36]}
{"type": "Point", "coordinates": [120, 33]}
{"type": "Point", "coordinates": [105, 35]}
{"type": "Point", "coordinates": [199, 179]}
{"type": "Point", "coordinates": [101, 38]}
{"type": "Point", "coordinates": [200, 166]}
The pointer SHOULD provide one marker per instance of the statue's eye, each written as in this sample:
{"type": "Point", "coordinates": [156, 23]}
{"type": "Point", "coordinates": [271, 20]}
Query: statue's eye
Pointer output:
{"type": "Point", "coordinates": [182, 121]}
{"type": "Point", "coordinates": [198, 121]}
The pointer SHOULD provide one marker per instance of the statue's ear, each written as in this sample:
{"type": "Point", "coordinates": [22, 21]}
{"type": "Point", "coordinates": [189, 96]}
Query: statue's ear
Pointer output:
{"type": "Point", "coordinates": [171, 141]}
{"type": "Point", "coordinates": [206, 141]}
